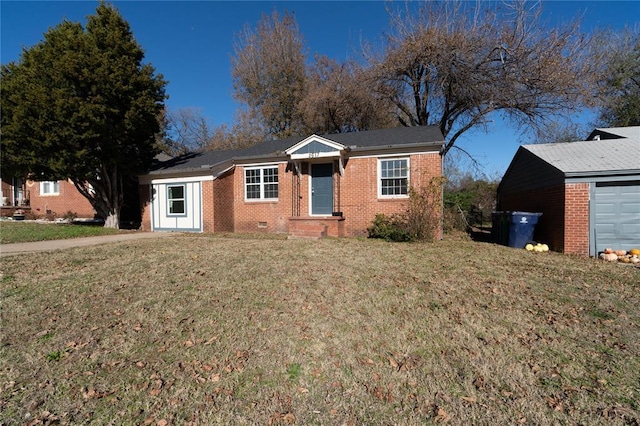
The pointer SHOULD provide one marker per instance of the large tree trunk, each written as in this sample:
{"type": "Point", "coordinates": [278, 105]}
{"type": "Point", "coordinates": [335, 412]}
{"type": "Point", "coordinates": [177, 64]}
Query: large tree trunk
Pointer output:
{"type": "Point", "coordinates": [112, 220]}
{"type": "Point", "coordinates": [105, 195]}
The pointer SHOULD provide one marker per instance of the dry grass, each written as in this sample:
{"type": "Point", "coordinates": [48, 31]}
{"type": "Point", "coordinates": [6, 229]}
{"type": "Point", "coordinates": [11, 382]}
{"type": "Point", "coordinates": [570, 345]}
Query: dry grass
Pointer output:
{"type": "Point", "coordinates": [20, 232]}
{"type": "Point", "coordinates": [212, 330]}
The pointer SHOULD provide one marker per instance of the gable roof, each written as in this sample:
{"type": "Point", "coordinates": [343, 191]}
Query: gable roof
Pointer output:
{"type": "Point", "coordinates": [631, 132]}
{"type": "Point", "coordinates": [217, 161]}
{"type": "Point", "coordinates": [611, 156]}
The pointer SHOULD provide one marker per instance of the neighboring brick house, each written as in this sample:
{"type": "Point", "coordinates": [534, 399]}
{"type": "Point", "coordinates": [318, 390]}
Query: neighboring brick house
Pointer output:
{"type": "Point", "coordinates": [58, 198]}
{"type": "Point", "coordinates": [330, 185]}
{"type": "Point", "coordinates": [13, 192]}
{"type": "Point", "coordinates": [588, 192]}
{"type": "Point", "coordinates": [53, 198]}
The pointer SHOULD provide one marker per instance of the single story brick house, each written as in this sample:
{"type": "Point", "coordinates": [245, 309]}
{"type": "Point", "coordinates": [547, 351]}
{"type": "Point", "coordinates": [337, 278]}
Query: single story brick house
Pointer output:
{"type": "Point", "coordinates": [44, 198]}
{"type": "Point", "coordinates": [587, 191]}
{"type": "Point", "coordinates": [331, 185]}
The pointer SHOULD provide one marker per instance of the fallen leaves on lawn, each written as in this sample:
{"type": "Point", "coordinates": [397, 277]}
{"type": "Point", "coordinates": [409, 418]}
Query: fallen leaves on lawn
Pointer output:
{"type": "Point", "coordinates": [469, 399]}
{"type": "Point", "coordinates": [441, 415]}
{"type": "Point", "coordinates": [282, 418]}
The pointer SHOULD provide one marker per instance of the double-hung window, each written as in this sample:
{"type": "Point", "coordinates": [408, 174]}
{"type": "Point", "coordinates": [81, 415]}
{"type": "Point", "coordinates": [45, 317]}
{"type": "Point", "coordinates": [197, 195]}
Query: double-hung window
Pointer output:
{"type": "Point", "coordinates": [394, 177]}
{"type": "Point", "coordinates": [261, 183]}
{"type": "Point", "coordinates": [50, 188]}
{"type": "Point", "coordinates": [175, 199]}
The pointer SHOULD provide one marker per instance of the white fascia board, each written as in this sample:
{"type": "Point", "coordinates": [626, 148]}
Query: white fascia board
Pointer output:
{"type": "Point", "coordinates": [307, 156]}
{"type": "Point", "coordinates": [260, 164]}
{"type": "Point", "coordinates": [223, 171]}
{"type": "Point", "coordinates": [181, 179]}
{"type": "Point", "coordinates": [334, 145]}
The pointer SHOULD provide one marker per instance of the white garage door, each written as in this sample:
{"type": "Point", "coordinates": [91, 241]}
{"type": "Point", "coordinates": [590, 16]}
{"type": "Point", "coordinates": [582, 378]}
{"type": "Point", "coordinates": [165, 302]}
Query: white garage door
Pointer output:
{"type": "Point", "coordinates": [617, 215]}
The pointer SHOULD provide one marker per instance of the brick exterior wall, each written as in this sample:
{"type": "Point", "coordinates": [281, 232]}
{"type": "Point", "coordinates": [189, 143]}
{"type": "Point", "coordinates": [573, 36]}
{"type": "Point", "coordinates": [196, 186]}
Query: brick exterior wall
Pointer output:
{"type": "Point", "coordinates": [68, 200]}
{"type": "Point", "coordinates": [145, 207]}
{"type": "Point", "coordinates": [548, 201]}
{"type": "Point", "coordinates": [355, 195]}
{"type": "Point", "coordinates": [262, 216]}
{"type": "Point", "coordinates": [564, 224]}
{"type": "Point", "coordinates": [576, 212]}
{"type": "Point", "coordinates": [208, 213]}
{"type": "Point", "coordinates": [223, 195]}
{"type": "Point", "coordinates": [359, 187]}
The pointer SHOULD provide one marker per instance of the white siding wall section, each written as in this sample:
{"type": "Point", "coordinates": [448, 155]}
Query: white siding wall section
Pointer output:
{"type": "Point", "coordinates": [188, 219]}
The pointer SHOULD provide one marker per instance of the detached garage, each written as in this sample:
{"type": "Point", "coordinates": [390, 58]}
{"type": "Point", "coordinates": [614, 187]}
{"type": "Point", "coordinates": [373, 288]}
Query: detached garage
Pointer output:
{"type": "Point", "coordinates": [588, 191]}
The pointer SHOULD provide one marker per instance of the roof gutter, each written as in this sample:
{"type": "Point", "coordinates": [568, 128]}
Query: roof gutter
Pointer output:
{"type": "Point", "coordinates": [629, 172]}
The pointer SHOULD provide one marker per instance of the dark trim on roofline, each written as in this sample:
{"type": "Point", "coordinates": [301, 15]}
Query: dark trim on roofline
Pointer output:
{"type": "Point", "coordinates": [207, 169]}
{"type": "Point", "coordinates": [397, 149]}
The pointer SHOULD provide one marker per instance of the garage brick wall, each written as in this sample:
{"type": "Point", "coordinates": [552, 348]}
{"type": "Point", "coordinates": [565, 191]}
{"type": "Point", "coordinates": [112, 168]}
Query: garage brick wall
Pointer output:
{"type": "Point", "coordinates": [548, 201]}
{"type": "Point", "coordinates": [564, 224]}
{"type": "Point", "coordinates": [576, 210]}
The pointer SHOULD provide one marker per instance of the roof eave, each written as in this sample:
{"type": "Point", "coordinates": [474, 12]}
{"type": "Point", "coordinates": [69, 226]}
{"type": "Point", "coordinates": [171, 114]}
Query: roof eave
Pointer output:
{"type": "Point", "coordinates": [279, 157]}
{"type": "Point", "coordinates": [262, 158]}
{"type": "Point", "coordinates": [600, 173]}
{"type": "Point", "coordinates": [397, 146]}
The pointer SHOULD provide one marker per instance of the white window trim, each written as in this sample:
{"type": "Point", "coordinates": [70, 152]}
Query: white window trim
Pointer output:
{"type": "Point", "coordinates": [262, 199]}
{"type": "Point", "coordinates": [52, 184]}
{"type": "Point", "coordinates": [184, 200]}
{"type": "Point", "coordinates": [400, 196]}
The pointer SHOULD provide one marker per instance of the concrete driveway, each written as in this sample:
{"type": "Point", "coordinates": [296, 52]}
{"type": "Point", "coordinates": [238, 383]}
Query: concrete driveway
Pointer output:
{"type": "Point", "coordinates": [38, 246]}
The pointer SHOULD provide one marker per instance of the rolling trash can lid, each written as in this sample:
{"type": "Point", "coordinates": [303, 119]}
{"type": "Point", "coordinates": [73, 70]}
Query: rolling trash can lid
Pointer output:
{"type": "Point", "coordinates": [525, 218]}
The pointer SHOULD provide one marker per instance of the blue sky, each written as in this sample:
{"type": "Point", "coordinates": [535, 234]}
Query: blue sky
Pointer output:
{"type": "Point", "coordinates": [191, 43]}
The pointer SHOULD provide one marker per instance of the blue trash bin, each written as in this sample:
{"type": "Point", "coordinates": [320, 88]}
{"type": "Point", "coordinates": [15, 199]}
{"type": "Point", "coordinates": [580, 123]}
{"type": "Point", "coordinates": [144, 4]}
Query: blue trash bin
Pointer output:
{"type": "Point", "coordinates": [521, 228]}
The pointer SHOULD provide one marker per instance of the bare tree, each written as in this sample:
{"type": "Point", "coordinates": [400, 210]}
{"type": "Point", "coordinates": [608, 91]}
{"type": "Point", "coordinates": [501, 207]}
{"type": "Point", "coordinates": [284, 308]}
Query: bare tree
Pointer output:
{"type": "Point", "coordinates": [339, 99]}
{"type": "Point", "coordinates": [269, 72]}
{"type": "Point", "coordinates": [453, 64]}
{"type": "Point", "coordinates": [246, 131]}
{"type": "Point", "coordinates": [561, 131]}
{"type": "Point", "coordinates": [620, 81]}
{"type": "Point", "coordinates": [186, 130]}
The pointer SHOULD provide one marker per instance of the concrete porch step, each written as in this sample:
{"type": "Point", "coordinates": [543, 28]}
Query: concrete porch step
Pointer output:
{"type": "Point", "coordinates": [308, 230]}
{"type": "Point", "coordinates": [316, 227]}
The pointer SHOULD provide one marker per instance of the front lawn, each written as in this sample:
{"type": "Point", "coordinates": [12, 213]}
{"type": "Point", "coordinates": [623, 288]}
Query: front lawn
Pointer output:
{"type": "Point", "coordinates": [20, 232]}
{"type": "Point", "coordinates": [196, 329]}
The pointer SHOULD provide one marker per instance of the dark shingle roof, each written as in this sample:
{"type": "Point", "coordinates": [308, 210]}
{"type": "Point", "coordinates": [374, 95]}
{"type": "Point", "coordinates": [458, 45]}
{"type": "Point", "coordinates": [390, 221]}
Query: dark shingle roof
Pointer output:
{"type": "Point", "coordinates": [366, 140]}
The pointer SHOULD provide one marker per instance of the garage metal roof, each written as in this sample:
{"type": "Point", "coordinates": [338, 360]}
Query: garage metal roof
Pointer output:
{"type": "Point", "coordinates": [631, 132]}
{"type": "Point", "coordinates": [594, 157]}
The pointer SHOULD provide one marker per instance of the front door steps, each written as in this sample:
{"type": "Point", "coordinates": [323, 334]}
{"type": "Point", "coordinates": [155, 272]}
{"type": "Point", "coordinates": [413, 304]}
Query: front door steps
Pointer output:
{"type": "Point", "coordinates": [316, 227]}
